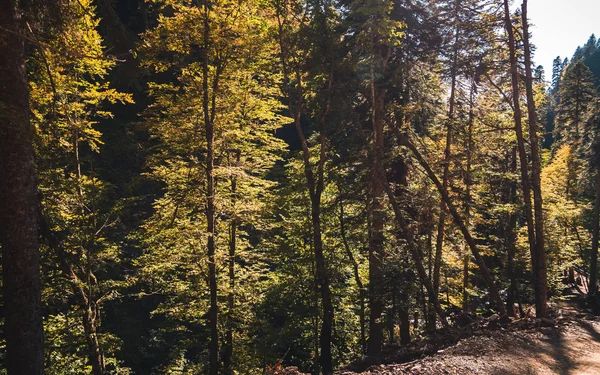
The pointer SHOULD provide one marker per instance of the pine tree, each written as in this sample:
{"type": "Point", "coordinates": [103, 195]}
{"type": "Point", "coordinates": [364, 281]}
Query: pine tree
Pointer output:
{"type": "Point", "coordinates": [592, 156]}
{"type": "Point", "coordinates": [540, 275]}
{"type": "Point", "coordinates": [576, 98]}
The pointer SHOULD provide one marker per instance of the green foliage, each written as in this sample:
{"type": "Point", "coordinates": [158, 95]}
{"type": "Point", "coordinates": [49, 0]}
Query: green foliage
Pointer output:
{"type": "Point", "coordinates": [577, 95]}
{"type": "Point", "coordinates": [565, 232]}
{"type": "Point", "coordinates": [69, 94]}
{"type": "Point", "coordinates": [125, 261]}
{"type": "Point", "coordinates": [247, 113]}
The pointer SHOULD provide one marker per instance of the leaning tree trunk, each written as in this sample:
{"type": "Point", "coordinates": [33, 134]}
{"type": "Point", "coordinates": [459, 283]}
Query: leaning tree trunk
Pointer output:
{"type": "Point", "coordinates": [541, 287]}
{"type": "Point", "coordinates": [459, 221]}
{"type": "Point", "coordinates": [415, 253]}
{"type": "Point", "coordinates": [18, 206]}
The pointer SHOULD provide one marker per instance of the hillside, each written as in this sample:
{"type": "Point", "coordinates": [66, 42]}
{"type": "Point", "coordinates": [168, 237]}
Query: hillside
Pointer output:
{"type": "Point", "coordinates": [570, 347]}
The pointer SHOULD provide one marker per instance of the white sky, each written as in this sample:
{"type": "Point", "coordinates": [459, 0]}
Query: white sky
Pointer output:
{"type": "Point", "coordinates": [559, 26]}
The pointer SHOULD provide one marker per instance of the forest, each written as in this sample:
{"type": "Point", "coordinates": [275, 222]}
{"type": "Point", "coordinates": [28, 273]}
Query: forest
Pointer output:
{"type": "Point", "coordinates": [226, 187]}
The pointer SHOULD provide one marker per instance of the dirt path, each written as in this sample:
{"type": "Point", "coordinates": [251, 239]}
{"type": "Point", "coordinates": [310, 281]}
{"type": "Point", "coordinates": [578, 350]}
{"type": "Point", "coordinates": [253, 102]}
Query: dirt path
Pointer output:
{"type": "Point", "coordinates": [571, 349]}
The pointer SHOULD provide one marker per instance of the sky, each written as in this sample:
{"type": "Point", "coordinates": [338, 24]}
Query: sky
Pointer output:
{"type": "Point", "coordinates": [559, 26]}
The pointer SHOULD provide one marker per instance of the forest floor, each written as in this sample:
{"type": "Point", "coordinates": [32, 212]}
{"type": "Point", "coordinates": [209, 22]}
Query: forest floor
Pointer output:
{"type": "Point", "coordinates": [569, 347]}
{"type": "Point", "coordinates": [568, 344]}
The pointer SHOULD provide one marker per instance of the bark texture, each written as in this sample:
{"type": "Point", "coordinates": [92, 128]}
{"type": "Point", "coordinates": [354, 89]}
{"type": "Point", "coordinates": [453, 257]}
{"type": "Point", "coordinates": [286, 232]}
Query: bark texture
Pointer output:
{"type": "Point", "coordinates": [18, 206]}
{"type": "Point", "coordinates": [540, 278]}
{"type": "Point", "coordinates": [593, 288]}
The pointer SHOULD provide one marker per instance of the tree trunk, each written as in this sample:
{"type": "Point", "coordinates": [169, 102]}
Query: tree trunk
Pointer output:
{"type": "Point", "coordinates": [315, 189]}
{"type": "Point", "coordinates": [445, 182]}
{"type": "Point", "coordinates": [593, 285]}
{"type": "Point", "coordinates": [213, 312]}
{"type": "Point", "coordinates": [404, 316]}
{"type": "Point", "coordinates": [87, 303]}
{"type": "Point", "coordinates": [376, 240]}
{"type": "Point", "coordinates": [391, 316]}
{"type": "Point", "coordinates": [315, 318]}
{"type": "Point", "coordinates": [485, 273]}
{"type": "Point", "coordinates": [447, 155]}
{"type": "Point", "coordinates": [18, 207]}
{"type": "Point", "coordinates": [517, 115]}
{"type": "Point", "coordinates": [413, 249]}
{"type": "Point", "coordinates": [326, 358]}
{"type": "Point", "coordinates": [95, 353]}
{"type": "Point", "coordinates": [228, 349]}
{"type": "Point", "coordinates": [511, 242]}
{"type": "Point", "coordinates": [228, 345]}
{"type": "Point", "coordinates": [541, 284]}
{"type": "Point", "coordinates": [359, 283]}
{"type": "Point", "coordinates": [468, 181]}
{"type": "Point", "coordinates": [416, 319]}
{"type": "Point", "coordinates": [430, 314]}
{"type": "Point", "coordinates": [424, 307]}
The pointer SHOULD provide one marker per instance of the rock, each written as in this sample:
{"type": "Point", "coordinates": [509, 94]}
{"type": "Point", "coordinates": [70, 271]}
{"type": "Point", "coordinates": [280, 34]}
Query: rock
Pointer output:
{"type": "Point", "coordinates": [516, 310]}
{"type": "Point", "coordinates": [493, 318]}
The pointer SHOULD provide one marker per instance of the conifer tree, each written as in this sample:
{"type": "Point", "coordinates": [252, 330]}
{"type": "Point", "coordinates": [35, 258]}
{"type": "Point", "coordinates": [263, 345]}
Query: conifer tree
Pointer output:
{"type": "Point", "coordinates": [592, 156]}
{"type": "Point", "coordinates": [576, 98]}
{"type": "Point", "coordinates": [376, 35]}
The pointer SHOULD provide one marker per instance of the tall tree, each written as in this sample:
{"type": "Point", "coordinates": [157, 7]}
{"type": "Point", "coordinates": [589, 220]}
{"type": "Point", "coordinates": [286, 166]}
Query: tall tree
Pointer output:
{"type": "Point", "coordinates": [518, 126]}
{"type": "Point", "coordinates": [576, 99]}
{"type": "Point", "coordinates": [18, 200]}
{"type": "Point", "coordinates": [296, 58]}
{"type": "Point", "coordinates": [592, 154]}
{"type": "Point", "coordinates": [69, 89]}
{"type": "Point", "coordinates": [376, 34]}
{"type": "Point", "coordinates": [214, 124]}
{"type": "Point", "coordinates": [541, 284]}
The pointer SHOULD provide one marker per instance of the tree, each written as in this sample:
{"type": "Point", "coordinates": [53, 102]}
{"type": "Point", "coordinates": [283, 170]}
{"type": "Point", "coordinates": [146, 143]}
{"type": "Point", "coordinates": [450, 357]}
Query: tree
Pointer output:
{"type": "Point", "coordinates": [592, 156]}
{"type": "Point", "coordinates": [523, 157]}
{"type": "Point", "coordinates": [18, 201]}
{"type": "Point", "coordinates": [540, 278]}
{"type": "Point", "coordinates": [576, 98]}
{"type": "Point", "coordinates": [214, 123]}
{"type": "Point", "coordinates": [376, 35]}
{"type": "Point", "coordinates": [296, 57]}
{"type": "Point", "coordinates": [69, 89]}
{"type": "Point", "coordinates": [467, 21]}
